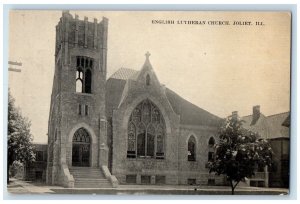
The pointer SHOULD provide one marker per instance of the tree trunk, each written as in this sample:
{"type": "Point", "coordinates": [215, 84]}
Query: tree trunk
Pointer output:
{"type": "Point", "coordinates": [232, 188]}
{"type": "Point", "coordinates": [7, 178]}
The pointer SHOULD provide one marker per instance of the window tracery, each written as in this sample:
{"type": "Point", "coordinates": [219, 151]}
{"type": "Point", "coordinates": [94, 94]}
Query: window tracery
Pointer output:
{"type": "Point", "coordinates": [146, 132]}
{"type": "Point", "coordinates": [84, 66]}
{"type": "Point", "coordinates": [81, 136]}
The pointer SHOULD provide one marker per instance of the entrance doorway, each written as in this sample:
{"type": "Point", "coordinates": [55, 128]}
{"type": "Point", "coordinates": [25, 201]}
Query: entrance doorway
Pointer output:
{"type": "Point", "coordinates": [81, 148]}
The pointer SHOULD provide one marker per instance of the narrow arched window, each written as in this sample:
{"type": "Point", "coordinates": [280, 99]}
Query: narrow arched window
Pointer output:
{"type": "Point", "coordinates": [88, 81]}
{"type": "Point", "coordinates": [147, 80]}
{"type": "Point", "coordinates": [131, 140]}
{"type": "Point", "coordinates": [160, 142]}
{"type": "Point", "coordinates": [84, 66]}
{"type": "Point", "coordinates": [150, 141]}
{"type": "Point", "coordinates": [211, 142]}
{"type": "Point", "coordinates": [141, 136]}
{"type": "Point", "coordinates": [211, 149]}
{"type": "Point", "coordinates": [192, 149]}
{"type": "Point", "coordinates": [79, 80]}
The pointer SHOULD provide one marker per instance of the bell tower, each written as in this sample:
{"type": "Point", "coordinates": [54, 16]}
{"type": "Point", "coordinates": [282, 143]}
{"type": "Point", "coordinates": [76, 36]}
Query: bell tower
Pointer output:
{"type": "Point", "coordinates": [77, 122]}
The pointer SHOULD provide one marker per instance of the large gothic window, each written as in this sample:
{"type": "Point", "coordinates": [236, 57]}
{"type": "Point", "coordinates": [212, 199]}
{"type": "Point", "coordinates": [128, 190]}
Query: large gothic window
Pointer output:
{"type": "Point", "coordinates": [146, 132]}
{"type": "Point", "coordinates": [192, 149]}
{"type": "Point", "coordinates": [84, 66]}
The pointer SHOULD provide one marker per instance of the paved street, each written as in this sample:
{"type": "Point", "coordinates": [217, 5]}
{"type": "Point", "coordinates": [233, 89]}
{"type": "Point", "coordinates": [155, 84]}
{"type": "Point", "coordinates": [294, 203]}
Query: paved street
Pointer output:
{"type": "Point", "coordinates": [25, 187]}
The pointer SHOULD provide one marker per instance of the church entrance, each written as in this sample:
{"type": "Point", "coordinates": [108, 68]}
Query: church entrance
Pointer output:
{"type": "Point", "coordinates": [81, 148]}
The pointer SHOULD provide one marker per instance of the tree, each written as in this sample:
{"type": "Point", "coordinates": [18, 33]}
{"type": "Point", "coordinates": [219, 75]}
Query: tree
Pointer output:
{"type": "Point", "coordinates": [19, 138]}
{"type": "Point", "coordinates": [239, 152]}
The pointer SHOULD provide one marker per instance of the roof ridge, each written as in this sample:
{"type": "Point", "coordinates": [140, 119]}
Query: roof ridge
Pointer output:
{"type": "Point", "coordinates": [127, 69]}
{"type": "Point", "coordinates": [277, 114]}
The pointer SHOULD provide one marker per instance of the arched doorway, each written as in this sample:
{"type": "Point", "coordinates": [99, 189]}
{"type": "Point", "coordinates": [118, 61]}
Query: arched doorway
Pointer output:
{"type": "Point", "coordinates": [81, 148]}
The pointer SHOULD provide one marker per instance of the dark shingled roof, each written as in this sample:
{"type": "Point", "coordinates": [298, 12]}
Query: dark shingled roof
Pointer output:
{"type": "Point", "coordinates": [189, 113]}
{"type": "Point", "coordinates": [278, 130]}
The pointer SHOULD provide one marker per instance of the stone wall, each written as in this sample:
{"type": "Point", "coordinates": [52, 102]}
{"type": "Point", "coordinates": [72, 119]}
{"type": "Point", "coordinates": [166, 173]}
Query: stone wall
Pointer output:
{"type": "Point", "coordinates": [197, 169]}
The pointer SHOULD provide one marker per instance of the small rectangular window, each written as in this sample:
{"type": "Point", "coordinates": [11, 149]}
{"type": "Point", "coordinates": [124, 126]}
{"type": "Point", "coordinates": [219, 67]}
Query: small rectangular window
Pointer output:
{"type": "Point", "coordinates": [130, 154]}
{"type": "Point", "coordinates": [191, 181]}
{"type": "Point", "coordinates": [39, 156]}
{"type": "Point", "coordinates": [211, 182]}
{"type": "Point", "coordinates": [86, 109]}
{"type": "Point", "coordinates": [160, 179]}
{"type": "Point", "coordinates": [160, 155]}
{"type": "Point", "coordinates": [130, 178]}
{"type": "Point", "coordinates": [210, 156]}
{"type": "Point", "coordinates": [145, 179]}
{"type": "Point", "coordinates": [79, 109]}
{"type": "Point", "coordinates": [39, 175]}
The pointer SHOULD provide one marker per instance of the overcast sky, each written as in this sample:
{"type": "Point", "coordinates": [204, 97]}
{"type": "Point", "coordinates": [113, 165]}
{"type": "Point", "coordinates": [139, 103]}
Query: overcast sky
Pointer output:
{"type": "Point", "coordinates": [218, 68]}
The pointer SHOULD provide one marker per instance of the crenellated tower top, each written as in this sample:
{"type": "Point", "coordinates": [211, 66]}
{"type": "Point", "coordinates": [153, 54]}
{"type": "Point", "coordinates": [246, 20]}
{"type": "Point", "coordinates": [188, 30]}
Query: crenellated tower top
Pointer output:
{"type": "Point", "coordinates": [80, 33]}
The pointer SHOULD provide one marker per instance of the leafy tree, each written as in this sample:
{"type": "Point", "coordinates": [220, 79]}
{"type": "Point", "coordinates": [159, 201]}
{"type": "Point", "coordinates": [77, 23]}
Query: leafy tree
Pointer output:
{"type": "Point", "coordinates": [19, 138]}
{"type": "Point", "coordinates": [239, 152]}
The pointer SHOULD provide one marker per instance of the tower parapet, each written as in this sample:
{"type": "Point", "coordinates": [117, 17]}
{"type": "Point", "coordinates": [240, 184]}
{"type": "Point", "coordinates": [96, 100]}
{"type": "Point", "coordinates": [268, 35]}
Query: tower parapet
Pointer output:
{"type": "Point", "coordinates": [76, 33]}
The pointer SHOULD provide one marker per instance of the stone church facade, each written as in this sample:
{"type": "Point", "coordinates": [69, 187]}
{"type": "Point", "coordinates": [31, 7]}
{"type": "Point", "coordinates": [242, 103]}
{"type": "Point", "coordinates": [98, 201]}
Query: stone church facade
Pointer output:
{"type": "Point", "coordinates": [128, 128]}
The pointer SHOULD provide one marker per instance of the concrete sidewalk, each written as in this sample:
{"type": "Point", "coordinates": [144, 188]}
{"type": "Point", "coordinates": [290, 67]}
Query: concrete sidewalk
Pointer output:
{"type": "Point", "coordinates": [25, 187]}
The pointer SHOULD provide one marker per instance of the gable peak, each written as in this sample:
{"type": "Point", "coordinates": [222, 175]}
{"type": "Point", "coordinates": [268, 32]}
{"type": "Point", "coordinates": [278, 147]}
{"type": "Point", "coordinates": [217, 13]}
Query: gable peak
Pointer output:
{"type": "Point", "coordinates": [148, 54]}
{"type": "Point", "coordinates": [147, 63]}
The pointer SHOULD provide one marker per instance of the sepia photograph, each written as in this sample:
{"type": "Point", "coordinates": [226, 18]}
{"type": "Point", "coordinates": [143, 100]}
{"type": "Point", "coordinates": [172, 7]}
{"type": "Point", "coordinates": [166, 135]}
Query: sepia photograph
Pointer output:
{"type": "Point", "coordinates": [148, 102]}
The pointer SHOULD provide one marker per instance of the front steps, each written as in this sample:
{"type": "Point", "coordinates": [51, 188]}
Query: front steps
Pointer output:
{"type": "Point", "coordinates": [89, 177]}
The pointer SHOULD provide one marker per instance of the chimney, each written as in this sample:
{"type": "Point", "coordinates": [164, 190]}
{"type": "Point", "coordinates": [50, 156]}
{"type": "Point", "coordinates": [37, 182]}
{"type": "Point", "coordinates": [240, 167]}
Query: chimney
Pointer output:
{"type": "Point", "coordinates": [234, 115]}
{"type": "Point", "coordinates": [256, 113]}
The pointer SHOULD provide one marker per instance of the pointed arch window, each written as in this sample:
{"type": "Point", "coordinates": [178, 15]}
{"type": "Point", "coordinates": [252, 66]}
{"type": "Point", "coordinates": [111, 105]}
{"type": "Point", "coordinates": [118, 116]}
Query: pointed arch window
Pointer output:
{"type": "Point", "coordinates": [81, 136]}
{"type": "Point", "coordinates": [84, 66]}
{"type": "Point", "coordinates": [88, 81]}
{"type": "Point", "coordinates": [79, 80]}
{"type": "Point", "coordinates": [150, 140]}
{"type": "Point", "coordinates": [160, 142]}
{"type": "Point", "coordinates": [141, 134]}
{"type": "Point", "coordinates": [211, 149]}
{"type": "Point", "coordinates": [131, 140]}
{"type": "Point", "coordinates": [147, 80]}
{"type": "Point", "coordinates": [192, 149]}
{"type": "Point", "coordinates": [146, 132]}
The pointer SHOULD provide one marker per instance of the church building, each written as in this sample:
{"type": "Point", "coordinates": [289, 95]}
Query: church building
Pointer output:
{"type": "Point", "coordinates": [127, 129]}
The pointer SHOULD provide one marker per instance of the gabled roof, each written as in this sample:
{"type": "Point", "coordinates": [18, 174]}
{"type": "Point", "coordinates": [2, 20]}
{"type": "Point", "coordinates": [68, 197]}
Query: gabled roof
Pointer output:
{"type": "Point", "coordinates": [276, 121]}
{"type": "Point", "coordinates": [268, 127]}
{"type": "Point", "coordinates": [190, 114]}
{"type": "Point", "coordinates": [287, 121]}
{"type": "Point", "coordinates": [259, 125]}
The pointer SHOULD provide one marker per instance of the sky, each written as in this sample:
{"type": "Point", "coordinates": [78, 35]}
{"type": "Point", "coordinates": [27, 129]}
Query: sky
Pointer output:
{"type": "Point", "coordinates": [220, 68]}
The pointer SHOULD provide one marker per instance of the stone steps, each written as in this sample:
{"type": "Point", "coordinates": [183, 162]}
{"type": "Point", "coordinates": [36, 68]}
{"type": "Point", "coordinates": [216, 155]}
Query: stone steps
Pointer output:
{"type": "Point", "coordinates": [89, 177]}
